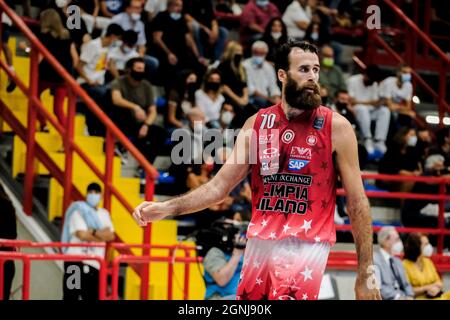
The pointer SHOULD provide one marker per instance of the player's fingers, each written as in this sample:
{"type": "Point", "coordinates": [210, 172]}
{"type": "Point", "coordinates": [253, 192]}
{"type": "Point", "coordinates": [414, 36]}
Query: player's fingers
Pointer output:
{"type": "Point", "coordinates": [138, 217]}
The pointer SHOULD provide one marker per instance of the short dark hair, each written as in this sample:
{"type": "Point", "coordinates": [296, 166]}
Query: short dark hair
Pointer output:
{"type": "Point", "coordinates": [130, 37]}
{"type": "Point", "coordinates": [114, 29]}
{"type": "Point", "coordinates": [94, 187]}
{"type": "Point", "coordinates": [339, 92]}
{"type": "Point", "coordinates": [413, 246]}
{"type": "Point", "coordinates": [130, 63]}
{"type": "Point", "coordinates": [373, 72]}
{"type": "Point", "coordinates": [282, 53]}
{"type": "Point", "coordinates": [210, 72]}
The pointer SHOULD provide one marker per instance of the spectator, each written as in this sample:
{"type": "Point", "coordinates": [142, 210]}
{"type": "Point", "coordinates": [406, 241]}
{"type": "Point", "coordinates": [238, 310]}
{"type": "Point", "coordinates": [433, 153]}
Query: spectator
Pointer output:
{"type": "Point", "coordinates": [223, 268]}
{"type": "Point", "coordinates": [118, 56]}
{"type": "Point", "coordinates": [401, 158]}
{"type": "Point", "coordinates": [317, 33]}
{"type": "Point", "coordinates": [131, 19]}
{"type": "Point", "coordinates": [254, 19]}
{"type": "Point", "coordinates": [343, 105]}
{"type": "Point", "coordinates": [209, 37]}
{"type": "Point", "coordinates": [175, 47]}
{"type": "Point", "coordinates": [443, 145]}
{"type": "Point", "coordinates": [56, 38]}
{"type": "Point", "coordinates": [424, 213]}
{"type": "Point", "coordinates": [110, 8]}
{"type": "Point", "coordinates": [6, 32]}
{"type": "Point", "coordinates": [390, 272]}
{"type": "Point", "coordinates": [420, 270]}
{"type": "Point", "coordinates": [182, 100]}
{"type": "Point", "coordinates": [85, 222]}
{"type": "Point", "coordinates": [274, 35]}
{"type": "Point", "coordinates": [397, 92]}
{"type": "Point", "coordinates": [135, 109]}
{"type": "Point", "coordinates": [8, 230]}
{"type": "Point", "coordinates": [209, 98]}
{"type": "Point", "coordinates": [90, 13]}
{"type": "Point", "coordinates": [330, 75]}
{"type": "Point", "coordinates": [261, 77]}
{"type": "Point", "coordinates": [234, 80]}
{"type": "Point", "coordinates": [363, 89]}
{"type": "Point", "coordinates": [297, 18]}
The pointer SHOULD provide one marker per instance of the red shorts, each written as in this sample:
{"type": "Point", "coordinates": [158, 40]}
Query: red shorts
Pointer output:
{"type": "Point", "coordinates": [286, 269]}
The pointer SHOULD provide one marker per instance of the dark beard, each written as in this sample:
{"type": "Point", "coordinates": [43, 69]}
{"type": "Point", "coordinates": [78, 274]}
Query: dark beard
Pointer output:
{"type": "Point", "coordinates": [299, 98]}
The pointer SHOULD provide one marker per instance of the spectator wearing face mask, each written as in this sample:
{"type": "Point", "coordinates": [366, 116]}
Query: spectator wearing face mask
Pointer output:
{"type": "Point", "coordinates": [261, 77]}
{"type": "Point", "coordinates": [254, 19]}
{"type": "Point", "coordinates": [389, 269]}
{"type": "Point", "coordinates": [397, 92]}
{"type": "Point", "coordinates": [135, 109]}
{"type": "Point", "coordinates": [401, 158]}
{"type": "Point", "coordinates": [420, 269]}
{"type": "Point", "coordinates": [342, 105]}
{"type": "Point", "coordinates": [274, 35]}
{"type": "Point", "coordinates": [209, 98]}
{"type": "Point", "coordinates": [130, 19]}
{"type": "Point", "coordinates": [330, 75]}
{"type": "Point", "coordinates": [118, 56]}
{"type": "Point", "coordinates": [364, 91]}
{"type": "Point", "coordinates": [85, 222]}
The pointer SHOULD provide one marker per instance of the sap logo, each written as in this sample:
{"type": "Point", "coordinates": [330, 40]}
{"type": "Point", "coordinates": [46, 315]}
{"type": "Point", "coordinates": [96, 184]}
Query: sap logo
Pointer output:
{"type": "Point", "coordinates": [297, 165]}
{"type": "Point", "coordinates": [301, 153]}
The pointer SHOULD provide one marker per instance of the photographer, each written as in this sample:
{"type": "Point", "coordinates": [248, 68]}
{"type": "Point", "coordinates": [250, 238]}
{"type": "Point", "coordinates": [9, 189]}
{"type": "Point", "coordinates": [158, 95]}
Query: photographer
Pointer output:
{"type": "Point", "coordinates": [223, 267]}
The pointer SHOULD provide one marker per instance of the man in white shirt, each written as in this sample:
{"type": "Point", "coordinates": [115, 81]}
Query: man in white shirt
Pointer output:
{"type": "Point", "coordinates": [389, 271]}
{"type": "Point", "coordinates": [261, 77]}
{"type": "Point", "coordinates": [85, 222]}
{"type": "Point", "coordinates": [397, 92]}
{"type": "Point", "coordinates": [364, 91]}
{"type": "Point", "coordinates": [297, 17]}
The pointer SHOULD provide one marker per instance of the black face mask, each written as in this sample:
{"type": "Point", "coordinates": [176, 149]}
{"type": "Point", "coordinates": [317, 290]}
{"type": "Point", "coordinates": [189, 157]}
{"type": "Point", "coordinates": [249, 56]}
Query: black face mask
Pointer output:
{"type": "Point", "coordinates": [325, 100]}
{"type": "Point", "coordinates": [190, 90]}
{"type": "Point", "coordinates": [237, 59]}
{"type": "Point", "coordinates": [341, 105]}
{"type": "Point", "coordinates": [212, 86]}
{"type": "Point", "coordinates": [137, 75]}
{"type": "Point", "coordinates": [368, 82]}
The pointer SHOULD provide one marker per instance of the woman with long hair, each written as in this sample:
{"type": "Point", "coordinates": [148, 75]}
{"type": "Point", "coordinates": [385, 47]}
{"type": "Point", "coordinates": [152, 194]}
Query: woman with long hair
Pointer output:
{"type": "Point", "coordinates": [274, 35]}
{"type": "Point", "coordinates": [56, 38]}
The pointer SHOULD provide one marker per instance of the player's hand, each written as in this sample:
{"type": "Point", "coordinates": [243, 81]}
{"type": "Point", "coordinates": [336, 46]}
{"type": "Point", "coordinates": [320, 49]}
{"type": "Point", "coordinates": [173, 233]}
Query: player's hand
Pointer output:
{"type": "Point", "coordinates": [362, 290]}
{"type": "Point", "coordinates": [149, 211]}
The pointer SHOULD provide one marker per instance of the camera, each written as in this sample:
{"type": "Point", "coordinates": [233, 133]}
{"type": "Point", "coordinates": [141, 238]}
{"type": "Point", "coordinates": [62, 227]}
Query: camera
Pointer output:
{"type": "Point", "coordinates": [223, 235]}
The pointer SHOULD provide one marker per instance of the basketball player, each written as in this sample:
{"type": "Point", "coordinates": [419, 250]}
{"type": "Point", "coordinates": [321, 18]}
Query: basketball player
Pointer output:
{"type": "Point", "coordinates": [301, 147]}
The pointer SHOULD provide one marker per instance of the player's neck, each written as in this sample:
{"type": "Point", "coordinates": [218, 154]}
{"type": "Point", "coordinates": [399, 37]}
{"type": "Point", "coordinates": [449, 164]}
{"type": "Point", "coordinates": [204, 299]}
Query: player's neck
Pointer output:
{"type": "Point", "coordinates": [289, 111]}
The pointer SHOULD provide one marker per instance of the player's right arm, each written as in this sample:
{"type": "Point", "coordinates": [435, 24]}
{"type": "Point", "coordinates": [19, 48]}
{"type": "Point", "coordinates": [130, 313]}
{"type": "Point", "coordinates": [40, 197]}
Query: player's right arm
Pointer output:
{"type": "Point", "coordinates": [213, 192]}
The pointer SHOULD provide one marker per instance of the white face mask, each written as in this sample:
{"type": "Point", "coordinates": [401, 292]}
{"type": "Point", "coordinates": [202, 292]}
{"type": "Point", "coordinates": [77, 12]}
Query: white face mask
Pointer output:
{"type": "Point", "coordinates": [427, 251]}
{"type": "Point", "coordinates": [227, 117]}
{"type": "Point", "coordinates": [412, 141]}
{"type": "Point", "coordinates": [397, 248]}
{"type": "Point", "coordinates": [135, 16]}
{"type": "Point", "coordinates": [93, 199]}
{"type": "Point", "coordinates": [276, 35]}
{"type": "Point", "coordinates": [315, 36]}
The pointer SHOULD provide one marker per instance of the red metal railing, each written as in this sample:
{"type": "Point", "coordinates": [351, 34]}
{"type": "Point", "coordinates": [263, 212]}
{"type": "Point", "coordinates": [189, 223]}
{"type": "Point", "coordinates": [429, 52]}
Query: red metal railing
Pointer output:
{"type": "Point", "coordinates": [412, 35]}
{"type": "Point", "coordinates": [66, 130]}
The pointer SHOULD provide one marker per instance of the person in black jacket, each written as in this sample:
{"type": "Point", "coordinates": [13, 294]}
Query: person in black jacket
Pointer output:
{"type": "Point", "coordinates": [8, 230]}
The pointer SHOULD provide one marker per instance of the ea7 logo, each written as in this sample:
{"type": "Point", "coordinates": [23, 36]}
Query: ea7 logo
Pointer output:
{"type": "Point", "coordinates": [300, 152]}
{"type": "Point", "coordinates": [265, 138]}
{"type": "Point", "coordinates": [297, 165]}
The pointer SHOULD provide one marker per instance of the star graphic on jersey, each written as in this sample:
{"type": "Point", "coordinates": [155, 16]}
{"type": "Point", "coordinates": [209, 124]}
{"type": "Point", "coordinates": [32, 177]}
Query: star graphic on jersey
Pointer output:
{"type": "Point", "coordinates": [305, 296]}
{"type": "Point", "coordinates": [317, 239]}
{"type": "Point", "coordinates": [316, 149]}
{"type": "Point", "coordinates": [324, 165]}
{"type": "Point", "coordinates": [256, 264]}
{"type": "Point", "coordinates": [306, 225]}
{"type": "Point", "coordinates": [255, 233]}
{"type": "Point", "coordinates": [264, 296]}
{"type": "Point", "coordinates": [259, 281]}
{"type": "Point", "coordinates": [286, 228]}
{"type": "Point", "coordinates": [244, 296]}
{"type": "Point", "coordinates": [310, 203]}
{"type": "Point", "coordinates": [328, 181]}
{"type": "Point", "coordinates": [250, 225]}
{"type": "Point", "coordinates": [286, 215]}
{"type": "Point", "coordinates": [274, 292]}
{"type": "Point", "coordinates": [294, 234]}
{"type": "Point", "coordinates": [264, 223]}
{"type": "Point", "coordinates": [307, 274]}
{"type": "Point", "coordinates": [273, 235]}
{"type": "Point", "coordinates": [324, 204]}
{"type": "Point", "coordinates": [277, 273]}
{"type": "Point", "coordinates": [319, 184]}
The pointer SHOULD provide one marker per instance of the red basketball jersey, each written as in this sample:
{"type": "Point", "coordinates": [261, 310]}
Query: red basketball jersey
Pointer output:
{"type": "Point", "coordinates": [294, 179]}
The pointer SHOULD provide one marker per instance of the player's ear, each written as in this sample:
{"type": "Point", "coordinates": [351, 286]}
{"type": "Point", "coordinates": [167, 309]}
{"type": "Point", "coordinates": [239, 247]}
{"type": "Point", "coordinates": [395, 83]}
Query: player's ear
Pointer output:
{"type": "Point", "coordinates": [282, 75]}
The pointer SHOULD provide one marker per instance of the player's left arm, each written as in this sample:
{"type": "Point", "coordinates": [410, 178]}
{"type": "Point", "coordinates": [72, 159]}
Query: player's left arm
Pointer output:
{"type": "Point", "coordinates": [346, 150]}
